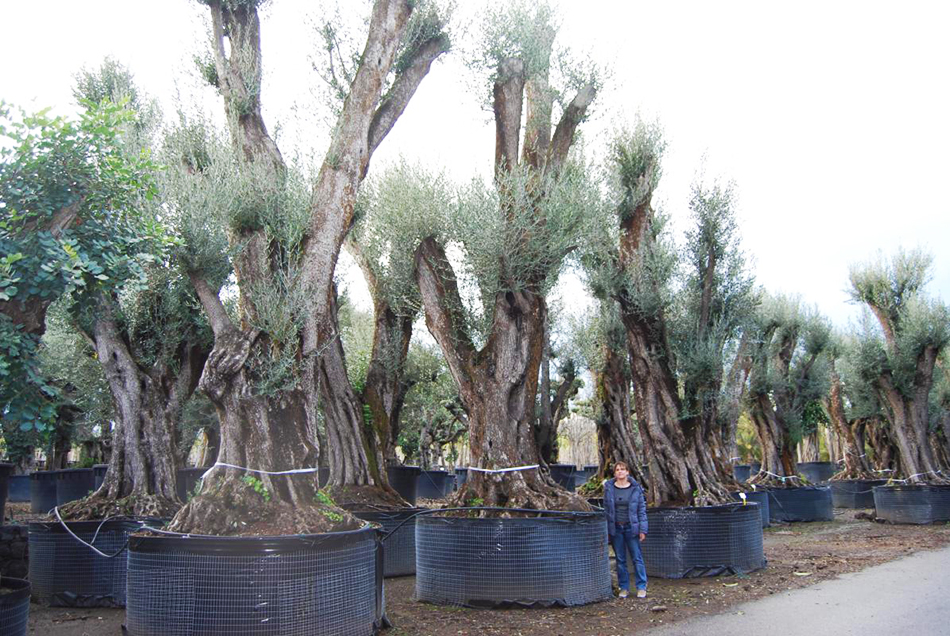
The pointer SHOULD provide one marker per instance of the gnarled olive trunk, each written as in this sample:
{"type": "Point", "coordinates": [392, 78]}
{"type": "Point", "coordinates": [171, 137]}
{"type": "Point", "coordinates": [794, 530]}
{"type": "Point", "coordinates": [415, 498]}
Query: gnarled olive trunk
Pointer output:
{"type": "Point", "coordinates": [386, 388]}
{"type": "Point", "coordinates": [259, 432]}
{"type": "Point", "coordinates": [778, 455]}
{"type": "Point", "coordinates": [357, 470]}
{"type": "Point", "coordinates": [909, 419]}
{"type": "Point", "coordinates": [148, 403]}
{"type": "Point", "coordinates": [616, 440]}
{"type": "Point", "coordinates": [851, 435]}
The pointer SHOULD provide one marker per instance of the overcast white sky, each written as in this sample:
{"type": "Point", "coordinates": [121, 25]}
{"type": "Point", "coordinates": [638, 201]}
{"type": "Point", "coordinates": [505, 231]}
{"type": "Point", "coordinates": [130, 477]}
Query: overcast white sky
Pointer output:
{"type": "Point", "coordinates": [833, 118]}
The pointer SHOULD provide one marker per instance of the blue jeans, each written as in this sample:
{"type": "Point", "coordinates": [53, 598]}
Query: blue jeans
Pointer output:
{"type": "Point", "coordinates": [625, 539]}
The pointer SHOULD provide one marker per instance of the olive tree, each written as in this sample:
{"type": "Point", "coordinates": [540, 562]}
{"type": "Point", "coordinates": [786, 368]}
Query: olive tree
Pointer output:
{"type": "Point", "coordinates": [899, 360]}
{"type": "Point", "coordinates": [788, 381]}
{"type": "Point", "coordinates": [681, 314]}
{"type": "Point", "coordinates": [513, 237]}
{"type": "Point", "coordinates": [282, 350]}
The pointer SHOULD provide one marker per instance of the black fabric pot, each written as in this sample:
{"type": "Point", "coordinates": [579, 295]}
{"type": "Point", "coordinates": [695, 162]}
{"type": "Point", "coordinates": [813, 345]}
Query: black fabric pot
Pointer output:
{"type": "Point", "coordinates": [66, 573]}
{"type": "Point", "coordinates": [405, 481]}
{"type": "Point", "coordinates": [18, 488]}
{"type": "Point", "coordinates": [43, 491]}
{"type": "Point", "coordinates": [756, 467]}
{"type": "Point", "coordinates": [188, 479]}
{"type": "Point", "coordinates": [398, 540]}
{"type": "Point", "coordinates": [5, 471]}
{"type": "Point", "coordinates": [319, 585]}
{"type": "Point", "coordinates": [563, 474]}
{"type": "Point", "coordinates": [435, 484]}
{"type": "Point", "coordinates": [817, 472]}
{"type": "Point", "coordinates": [461, 475]}
{"type": "Point", "coordinates": [14, 607]}
{"type": "Point", "coordinates": [742, 472]}
{"type": "Point", "coordinates": [558, 559]}
{"type": "Point", "coordinates": [711, 541]}
{"type": "Point", "coordinates": [100, 470]}
{"type": "Point", "coordinates": [73, 484]}
{"type": "Point", "coordinates": [854, 493]}
{"type": "Point", "coordinates": [760, 497]}
{"type": "Point", "coordinates": [807, 503]}
{"type": "Point", "coordinates": [912, 504]}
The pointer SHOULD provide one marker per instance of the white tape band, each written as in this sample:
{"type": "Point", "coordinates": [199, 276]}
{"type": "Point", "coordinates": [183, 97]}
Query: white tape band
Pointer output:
{"type": "Point", "coordinates": [295, 471]}
{"type": "Point", "coordinates": [503, 470]}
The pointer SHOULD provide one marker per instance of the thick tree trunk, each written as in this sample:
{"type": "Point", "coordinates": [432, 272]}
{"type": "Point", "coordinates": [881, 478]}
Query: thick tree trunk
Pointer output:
{"type": "Point", "coordinates": [211, 447]}
{"type": "Point", "coordinates": [886, 458]}
{"type": "Point", "coordinates": [58, 455]}
{"type": "Point", "coordinates": [778, 458]}
{"type": "Point", "coordinates": [498, 384]}
{"type": "Point", "coordinates": [909, 424]}
{"type": "Point", "coordinates": [258, 433]}
{"type": "Point", "coordinates": [386, 388]}
{"type": "Point", "coordinates": [851, 434]}
{"type": "Point", "coordinates": [143, 466]}
{"type": "Point", "coordinates": [680, 471]}
{"type": "Point", "coordinates": [616, 440]}
{"type": "Point", "coordinates": [357, 468]}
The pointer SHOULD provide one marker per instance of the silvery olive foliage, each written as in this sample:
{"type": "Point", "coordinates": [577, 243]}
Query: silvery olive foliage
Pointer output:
{"type": "Point", "coordinates": [908, 321]}
{"type": "Point", "coordinates": [527, 31]}
{"type": "Point", "coordinates": [792, 344]}
{"type": "Point", "coordinates": [339, 33]}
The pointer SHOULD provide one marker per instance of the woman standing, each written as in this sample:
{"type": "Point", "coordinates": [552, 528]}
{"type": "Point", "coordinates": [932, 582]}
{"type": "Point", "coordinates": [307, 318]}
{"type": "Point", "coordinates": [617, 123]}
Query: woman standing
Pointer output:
{"type": "Point", "coordinates": [626, 510]}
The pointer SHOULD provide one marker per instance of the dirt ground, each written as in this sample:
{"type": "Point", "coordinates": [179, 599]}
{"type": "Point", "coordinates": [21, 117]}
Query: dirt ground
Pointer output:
{"type": "Point", "coordinates": [799, 554]}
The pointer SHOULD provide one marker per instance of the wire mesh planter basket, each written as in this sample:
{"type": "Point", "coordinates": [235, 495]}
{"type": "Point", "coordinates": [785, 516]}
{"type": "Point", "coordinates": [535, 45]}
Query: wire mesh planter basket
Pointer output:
{"type": "Point", "coordinates": [806, 503]}
{"type": "Point", "coordinates": [742, 472]}
{"type": "Point", "coordinates": [14, 606]}
{"type": "Point", "coordinates": [760, 497]}
{"type": "Point", "coordinates": [461, 476]}
{"type": "Point", "coordinates": [67, 573]}
{"type": "Point", "coordinates": [42, 491]}
{"type": "Point", "coordinates": [405, 481]}
{"type": "Point", "coordinates": [303, 585]}
{"type": "Point", "coordinates": [854, 493]}
{"type": "Point", "coordinates": [399, 540]}
{"type": "Point", "coordinates": [73, 484]}
{"type": "Point", "coordinates": [435, 484]}
{"type": "Point", "coordinates": [555, 559]}
{"type": "Point", "coordinates": [708, 541]}
{"type": "Point", "coordinates": [913, 504]}
{"type": "Point", "coordinates": [817, 472]}
{"type": "Point", "coordinates": [18, 488]}
{"type": "Point", "coordinates": [563, 475]}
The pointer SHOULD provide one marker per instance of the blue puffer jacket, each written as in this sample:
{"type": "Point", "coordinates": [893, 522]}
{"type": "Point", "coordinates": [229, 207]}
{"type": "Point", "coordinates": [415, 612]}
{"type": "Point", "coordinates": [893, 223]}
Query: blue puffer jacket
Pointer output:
{"type": "Point", "coordinates": [638, 508]}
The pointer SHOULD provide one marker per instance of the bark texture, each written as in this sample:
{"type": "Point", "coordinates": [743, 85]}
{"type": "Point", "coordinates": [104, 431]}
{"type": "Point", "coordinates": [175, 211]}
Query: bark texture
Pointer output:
{"type": "Point", "coordinates": [616, 441]}
{"type": "Point", "coordinates": [148, 403]}
{"type": "Point", "coordinates": [855, 464]}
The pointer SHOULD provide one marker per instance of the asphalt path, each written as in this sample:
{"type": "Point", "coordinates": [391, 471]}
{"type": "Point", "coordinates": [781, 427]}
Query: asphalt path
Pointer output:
{"type": "Point", "coordinates": [907, 597]}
